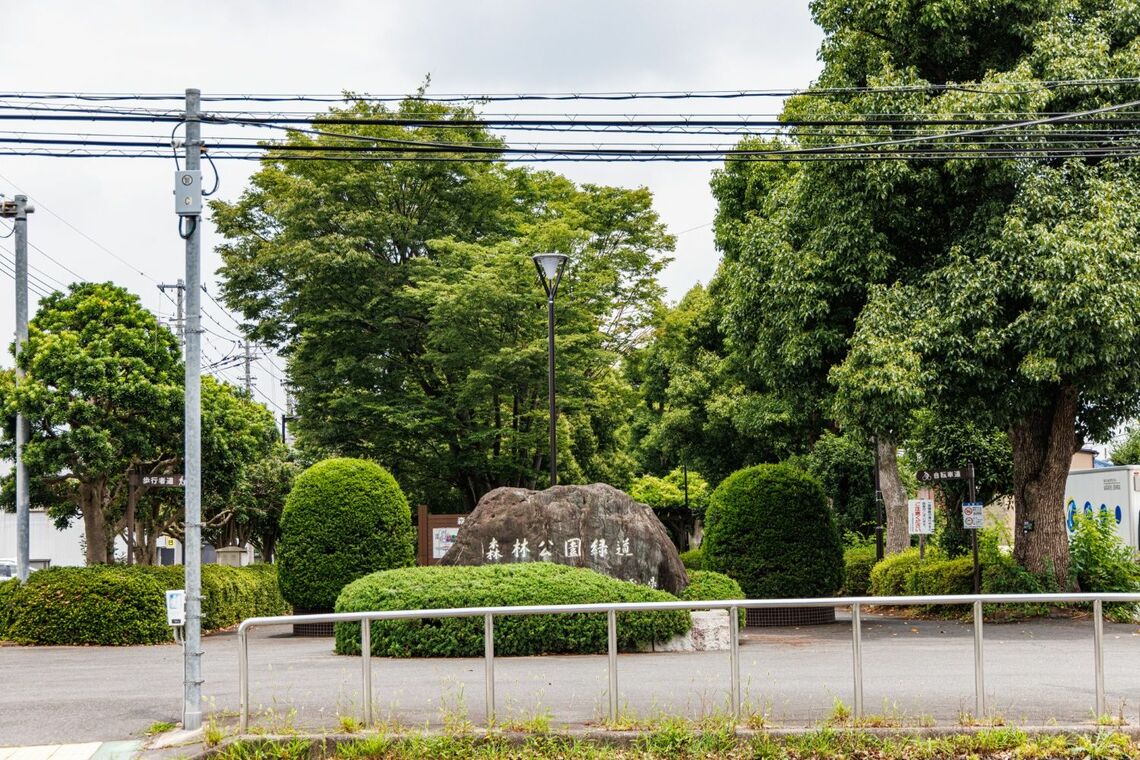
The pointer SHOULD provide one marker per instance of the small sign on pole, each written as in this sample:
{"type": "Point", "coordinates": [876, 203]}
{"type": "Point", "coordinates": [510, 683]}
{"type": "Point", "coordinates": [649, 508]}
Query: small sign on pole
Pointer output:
{"type": "Point", "coordinates": [920, 514]}
{"type": "Point", "coordinates": [972, 515]}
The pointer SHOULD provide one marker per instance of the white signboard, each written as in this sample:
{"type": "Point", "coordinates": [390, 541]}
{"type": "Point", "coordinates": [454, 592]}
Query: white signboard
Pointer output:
{"type": "Point", "coordinates": [442, 540]}
{"type": "Point", "coordinates": [972, 515]}
{"type": "Point", "coordinates": [920, 516]}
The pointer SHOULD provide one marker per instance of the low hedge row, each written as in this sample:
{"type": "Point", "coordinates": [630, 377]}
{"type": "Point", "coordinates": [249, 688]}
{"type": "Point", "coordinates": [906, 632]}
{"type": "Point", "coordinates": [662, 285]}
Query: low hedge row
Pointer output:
{"type": "Point", "coordinates": [118, 605]}
{"type": "Point", "coordinates": [857, 564]}
{"type": "Point", "coordinates": [7, 591]}
{"type": "Point", "coordinates": [513, 585]}
{"type": "Point", "coordinates": [708, 586]}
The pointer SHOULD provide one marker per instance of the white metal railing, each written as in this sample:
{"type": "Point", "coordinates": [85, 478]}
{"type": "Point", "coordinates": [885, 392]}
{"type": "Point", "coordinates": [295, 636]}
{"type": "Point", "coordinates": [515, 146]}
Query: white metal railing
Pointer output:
{"type": "Point", "coordinates": [733, 606]}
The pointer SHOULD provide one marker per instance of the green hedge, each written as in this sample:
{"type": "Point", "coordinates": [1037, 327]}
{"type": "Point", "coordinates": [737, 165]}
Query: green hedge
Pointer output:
{"type": "Point", "coordinates": [942, 577]}
{"type": "Point", "coordinates": [857, 564]}
{"type": "Point", "coordinates": [117, 605]}
{"type": "Point", "coordinates": [437, 586]}
{"type": "Point", "coordinates": [708, 586]}
{"type": "Point", "coordinates": [770, 528]}
{"type": "Point", "coordinates": [343, 519]}
{"type": "Point", "coordinates": [694, 559]}
{"type": "Point", "coordinates": [7, 593]}
{"type": "Point", "coordinates": [888, 578]}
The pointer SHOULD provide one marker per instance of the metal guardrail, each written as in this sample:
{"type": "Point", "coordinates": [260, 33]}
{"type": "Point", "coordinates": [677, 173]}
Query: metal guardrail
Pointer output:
{"type": "Point", "coordinates": [733, 606]}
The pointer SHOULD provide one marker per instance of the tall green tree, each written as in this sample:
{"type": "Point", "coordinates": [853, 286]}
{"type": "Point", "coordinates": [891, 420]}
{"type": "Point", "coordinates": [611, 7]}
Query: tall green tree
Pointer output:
{"type": "Point", "coordinates": [102, 393]}
{"type": "Point", "coordinates": [701, 403]}
{"type": "Point", "coordinates": [403, 295]}
{"type": "Point", "coordinates": [1001, 288]}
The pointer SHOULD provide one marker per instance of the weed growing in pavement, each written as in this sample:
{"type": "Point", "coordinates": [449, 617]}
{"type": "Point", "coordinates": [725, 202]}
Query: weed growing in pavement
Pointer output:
{"type": "Point", "coordinates": [159, 727]}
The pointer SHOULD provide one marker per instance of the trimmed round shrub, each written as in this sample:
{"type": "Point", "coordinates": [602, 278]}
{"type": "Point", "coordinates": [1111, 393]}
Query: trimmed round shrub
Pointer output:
{"type": "Point", "coordinates": [769, 528]}
{"type": "Point", "coordinates": [709, 586]}
{"type": "Point", "coordinates": [344, 518]}
{"type": "Point", "coordinates": [514, 585]}
{"type": "Point", "coordinates": [694, 559]}
{"type": "Point", "coordinates": [117, 605]}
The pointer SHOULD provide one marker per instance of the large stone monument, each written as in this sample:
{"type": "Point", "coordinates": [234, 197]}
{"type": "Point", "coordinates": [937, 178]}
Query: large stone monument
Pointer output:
{"type": "Point", "coordinates": [595, 526]}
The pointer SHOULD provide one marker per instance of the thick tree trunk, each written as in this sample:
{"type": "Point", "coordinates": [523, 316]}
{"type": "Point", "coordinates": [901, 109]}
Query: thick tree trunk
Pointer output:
{"type": "Point", "coordinates": [894, 496]}
{"type": "Point", "coordinates": [94, 524]}
{"type": "Point", "coordinates": [1043, 445]}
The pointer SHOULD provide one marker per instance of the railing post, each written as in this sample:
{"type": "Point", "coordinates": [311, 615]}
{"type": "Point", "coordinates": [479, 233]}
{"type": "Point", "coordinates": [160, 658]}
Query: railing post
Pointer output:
{"type": "Point", "coordinates": [489, 664]}
{"type": "Point", "coordinates": [243, 678]}
{"type": "Point", "coordinates": [611, 659]}
{"type": "Point", "coordinates": [857, 657]}
{"type": "Point", "coordinates": [979, 664]}
{"type": "Point", "coordinates": [366, 668]}
{"type": "Point", "coordinates": [734, 649]}
{"type": "Point", "coordinates": [1098, 654]}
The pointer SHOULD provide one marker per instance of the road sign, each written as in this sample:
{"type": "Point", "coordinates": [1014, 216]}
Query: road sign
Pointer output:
{"type": "Point", "coordinates": [160, 481]}
{"type": "Point", "coordinates": [933, 476]}
{"type": "Point", "coordinates": [972, 515]}
{"type": "Point", "coordinates": [920, 516]}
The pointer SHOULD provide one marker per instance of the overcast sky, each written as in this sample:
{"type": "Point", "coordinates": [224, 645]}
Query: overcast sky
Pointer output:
{"type": "Point", "coordinates": [125, 205]}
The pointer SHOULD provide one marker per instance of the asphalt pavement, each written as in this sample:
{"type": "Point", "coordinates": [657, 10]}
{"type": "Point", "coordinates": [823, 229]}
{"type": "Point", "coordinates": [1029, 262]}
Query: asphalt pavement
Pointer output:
{"type": "Point", "coordinates": [918, 672]}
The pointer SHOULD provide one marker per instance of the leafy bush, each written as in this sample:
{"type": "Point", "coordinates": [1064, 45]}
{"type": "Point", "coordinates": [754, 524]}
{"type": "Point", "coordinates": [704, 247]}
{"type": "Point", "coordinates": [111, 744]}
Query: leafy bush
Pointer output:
{"type": "Point", "coordinates": [116, 605]}
{"type": "Point", "coordinates": [694, 559]}
{"type": "Point", "coordinates": [438, 586]}
{"type": "Point", "coordinates": [942, 576]}
{"type": "Point", "coordinates": [1100, 561]}
{"type": "Point", "coordinates": [769, 528]}
{"type": "Point", "coordinates": [707, 586]}
{"type": "Point", "coordinates": [7, 594]}
{"type": "Point", "coordinates": [229, 594]}
{"type": "Point", "coordinates": [888, 578]}
{"type": "Point", "coordinates": [89, 605]}
{"type": "Point", "coordinates": [844, 466]}
{"type": "Point", "coordinates": [344, 519]}
{"type": "Point", "coordinates": [857, 564]}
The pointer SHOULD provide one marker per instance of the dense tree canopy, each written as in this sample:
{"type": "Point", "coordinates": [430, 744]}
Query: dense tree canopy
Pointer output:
{"type": "Point", "coordinates": [404, 297]}
{"type": "Point", "coordinates": [103, 396]}
{"type": "Point", "coordinates": [1003, 289]}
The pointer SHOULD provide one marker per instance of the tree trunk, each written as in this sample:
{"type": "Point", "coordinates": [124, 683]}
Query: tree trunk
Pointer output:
{"type": "Point", "coordinates": [1043, 445]}
{"type": "Point", "coordinates": [894, 497]}
{"type": "Point", "coordinates": [94, 526]}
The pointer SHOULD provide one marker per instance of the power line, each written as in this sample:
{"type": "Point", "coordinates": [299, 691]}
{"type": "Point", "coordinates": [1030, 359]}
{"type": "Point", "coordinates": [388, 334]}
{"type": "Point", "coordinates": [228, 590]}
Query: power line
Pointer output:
{"type": "Point", "coordinates": [619, 95]}
{"type": "Point", "coordinates": [40, 205]}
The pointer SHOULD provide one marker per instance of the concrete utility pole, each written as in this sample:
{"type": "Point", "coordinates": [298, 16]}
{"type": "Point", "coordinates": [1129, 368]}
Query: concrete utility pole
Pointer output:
{"type": "Point", "coordinates": [248, 379]}
{"type": "Point", "coordinates": [180, 324]}
{"type": "Point", "coordinates": [190, 211]}
{"type": "Point", "coordinates": [18, 211]}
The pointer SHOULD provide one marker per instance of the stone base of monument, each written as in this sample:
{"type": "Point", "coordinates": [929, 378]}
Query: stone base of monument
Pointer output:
{"type": "Point", "coordinates": [708, 633]}
{"type": "Point", "coordinates": [770, 617]}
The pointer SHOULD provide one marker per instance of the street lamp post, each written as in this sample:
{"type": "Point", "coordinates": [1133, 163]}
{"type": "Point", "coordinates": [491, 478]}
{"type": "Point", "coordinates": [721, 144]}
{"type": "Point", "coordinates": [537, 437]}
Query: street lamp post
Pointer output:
{"type": "Point", "coordinates": [550, 267]}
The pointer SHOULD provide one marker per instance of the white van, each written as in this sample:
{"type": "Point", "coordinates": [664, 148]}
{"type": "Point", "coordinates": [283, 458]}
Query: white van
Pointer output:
{"type": "Point", "coordinates": [1115, 490]}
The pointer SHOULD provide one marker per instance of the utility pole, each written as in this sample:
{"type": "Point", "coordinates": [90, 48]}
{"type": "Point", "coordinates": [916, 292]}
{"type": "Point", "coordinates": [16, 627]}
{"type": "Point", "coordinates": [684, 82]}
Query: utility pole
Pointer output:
{"type": "Point", "coordinates": [179, 325]}
{"type": "Point", "coordinates": [248, 380]}
{"type": "Point", "coordinates": [188, 206]}
{"type": "Point", "coordinates": [18, 211]}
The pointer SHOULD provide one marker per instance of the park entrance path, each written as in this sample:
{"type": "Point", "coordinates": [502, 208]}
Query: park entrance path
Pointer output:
{"type": "Point", "coordinates": [916, 671]}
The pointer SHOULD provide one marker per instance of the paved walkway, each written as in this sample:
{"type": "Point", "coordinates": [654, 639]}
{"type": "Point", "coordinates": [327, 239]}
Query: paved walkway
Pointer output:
{"type": "Point", "coordinates": [89, 751]}
{"type": "Point", "coordinates": [1036, 672]}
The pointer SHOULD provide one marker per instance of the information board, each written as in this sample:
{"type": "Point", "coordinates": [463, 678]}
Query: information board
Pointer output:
{"type": "Point", "coordinates": [920, 516]}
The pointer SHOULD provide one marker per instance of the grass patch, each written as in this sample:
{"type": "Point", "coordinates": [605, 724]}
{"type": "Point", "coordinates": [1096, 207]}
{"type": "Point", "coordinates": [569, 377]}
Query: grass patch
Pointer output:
{"type": "Point", "coordinates": [675, 738]}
